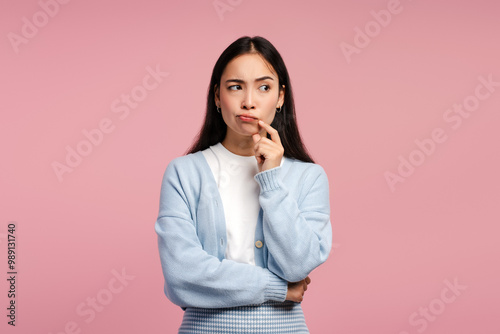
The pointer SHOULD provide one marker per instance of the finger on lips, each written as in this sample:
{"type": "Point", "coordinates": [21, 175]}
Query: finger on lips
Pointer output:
{"type": "Point", "coordinates": [272, 131]}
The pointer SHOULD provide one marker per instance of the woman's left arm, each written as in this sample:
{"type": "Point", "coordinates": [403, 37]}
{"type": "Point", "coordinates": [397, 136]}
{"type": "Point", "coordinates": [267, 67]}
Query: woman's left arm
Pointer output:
{"type": "Point", "coordinates": [297, 229]}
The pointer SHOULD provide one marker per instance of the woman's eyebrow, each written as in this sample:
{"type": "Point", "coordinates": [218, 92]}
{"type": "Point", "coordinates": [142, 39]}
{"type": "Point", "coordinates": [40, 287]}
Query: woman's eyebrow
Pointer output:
{"type": "Point", "coordinates": [242, 81]}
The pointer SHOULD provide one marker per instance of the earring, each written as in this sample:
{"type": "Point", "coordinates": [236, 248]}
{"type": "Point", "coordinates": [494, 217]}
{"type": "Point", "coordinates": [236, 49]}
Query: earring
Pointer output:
{"type": "Point", "coordinates": [278, 110]}
{"type": "Point", "coordinates": [218, 109]}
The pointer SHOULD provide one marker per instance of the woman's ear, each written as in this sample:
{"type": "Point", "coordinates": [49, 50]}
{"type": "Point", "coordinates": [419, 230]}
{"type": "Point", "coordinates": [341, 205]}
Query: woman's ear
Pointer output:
{"type": "Point", "coordinates": [216, 94]}
{"type": "Point", "coordinates": [281, 98]}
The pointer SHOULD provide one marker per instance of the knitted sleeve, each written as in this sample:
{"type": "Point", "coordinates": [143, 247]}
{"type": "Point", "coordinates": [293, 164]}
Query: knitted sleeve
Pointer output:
{"type": "Point", "coordinates": [193, 277]}
{"type": "Point", "coordinates": [297, 228]}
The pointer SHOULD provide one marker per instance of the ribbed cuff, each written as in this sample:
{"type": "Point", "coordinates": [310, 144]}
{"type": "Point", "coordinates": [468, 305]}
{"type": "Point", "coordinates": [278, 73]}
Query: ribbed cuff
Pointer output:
{"type": "Point", "coordinates": [268, 179]}
{"type": "Point", "coordinates": [276, 288]}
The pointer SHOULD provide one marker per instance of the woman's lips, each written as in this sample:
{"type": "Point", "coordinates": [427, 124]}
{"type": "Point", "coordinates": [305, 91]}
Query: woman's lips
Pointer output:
{"type": "Point", "coordinates": [246, 118]}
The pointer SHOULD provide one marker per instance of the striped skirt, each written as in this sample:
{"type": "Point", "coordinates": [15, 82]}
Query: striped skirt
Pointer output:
{"type": "Point", "coordinates": [269, 317]}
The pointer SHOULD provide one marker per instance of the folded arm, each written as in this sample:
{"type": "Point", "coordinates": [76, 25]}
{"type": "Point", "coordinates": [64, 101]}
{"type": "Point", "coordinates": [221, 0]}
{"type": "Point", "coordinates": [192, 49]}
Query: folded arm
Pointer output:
{"type": "Point", "coordinates": [195, 278]}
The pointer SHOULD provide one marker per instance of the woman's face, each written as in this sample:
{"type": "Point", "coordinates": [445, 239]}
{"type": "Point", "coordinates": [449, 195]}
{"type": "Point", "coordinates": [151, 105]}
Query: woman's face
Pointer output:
{"type": "Point", "coordinates": [249, 86]}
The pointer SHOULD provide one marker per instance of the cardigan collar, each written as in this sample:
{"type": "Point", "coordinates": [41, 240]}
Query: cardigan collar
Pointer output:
{"type": "Point", "coordinates": [287, 162]}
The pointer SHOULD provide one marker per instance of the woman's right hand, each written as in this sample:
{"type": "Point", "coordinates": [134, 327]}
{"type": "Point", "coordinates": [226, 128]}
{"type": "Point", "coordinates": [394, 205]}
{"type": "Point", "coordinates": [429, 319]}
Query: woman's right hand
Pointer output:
{"type": "Point", "coordinates": [296, 290]}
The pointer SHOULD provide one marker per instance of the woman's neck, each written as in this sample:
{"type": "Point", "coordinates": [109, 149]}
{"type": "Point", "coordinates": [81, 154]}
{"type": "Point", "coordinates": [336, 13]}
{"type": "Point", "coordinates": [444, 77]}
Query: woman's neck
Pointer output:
{"type": "Point", "coordinates": [240, 144]}
{"type": "Point", "coordinates": [241, 147]}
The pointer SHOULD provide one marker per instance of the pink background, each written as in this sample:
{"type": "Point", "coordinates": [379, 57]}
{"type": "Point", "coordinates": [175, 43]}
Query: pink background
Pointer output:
{"type": "Point", "coordinates": [394, 248]}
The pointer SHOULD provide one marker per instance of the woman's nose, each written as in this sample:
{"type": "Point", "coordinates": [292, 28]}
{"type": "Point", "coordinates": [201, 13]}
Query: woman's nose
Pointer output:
{"type": "Point", "coordinates": [248, 102]}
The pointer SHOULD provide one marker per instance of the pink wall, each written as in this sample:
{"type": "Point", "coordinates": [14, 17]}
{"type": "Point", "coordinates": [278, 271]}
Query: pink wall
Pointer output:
{"type": "Point", "coordinates": [398, 101]}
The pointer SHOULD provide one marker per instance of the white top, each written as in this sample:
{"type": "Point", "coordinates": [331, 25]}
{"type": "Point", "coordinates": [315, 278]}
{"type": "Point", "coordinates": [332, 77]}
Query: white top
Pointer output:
{"type": "Point", "coordinates": [239, 192]}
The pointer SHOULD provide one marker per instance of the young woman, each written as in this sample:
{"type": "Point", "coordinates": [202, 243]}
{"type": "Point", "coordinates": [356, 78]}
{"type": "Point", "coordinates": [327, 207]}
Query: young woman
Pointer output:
{"type": "Point", "coordinates": [245, 214]}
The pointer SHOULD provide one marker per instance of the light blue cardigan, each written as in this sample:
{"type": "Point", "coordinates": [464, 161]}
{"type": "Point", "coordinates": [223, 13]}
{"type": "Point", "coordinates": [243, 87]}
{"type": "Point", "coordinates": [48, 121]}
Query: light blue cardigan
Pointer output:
{"type": "Point", "coordinates": [293, 226]}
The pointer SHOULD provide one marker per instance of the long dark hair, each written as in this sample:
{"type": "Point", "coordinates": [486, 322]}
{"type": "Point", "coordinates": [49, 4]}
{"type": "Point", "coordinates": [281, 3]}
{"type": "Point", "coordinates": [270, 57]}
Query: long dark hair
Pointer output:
{"type": "Point", "coordinates": [214, 128]}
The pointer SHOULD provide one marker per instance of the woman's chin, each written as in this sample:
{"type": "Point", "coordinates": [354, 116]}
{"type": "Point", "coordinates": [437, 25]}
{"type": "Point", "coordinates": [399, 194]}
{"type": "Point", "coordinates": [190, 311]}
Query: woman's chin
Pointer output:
{"type": "Point", "coordinates": [248, 129]}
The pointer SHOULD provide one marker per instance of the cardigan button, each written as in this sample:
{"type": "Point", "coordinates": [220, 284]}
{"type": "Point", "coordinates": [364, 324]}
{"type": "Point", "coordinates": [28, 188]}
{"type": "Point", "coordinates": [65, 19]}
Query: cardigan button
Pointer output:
{"type": "Point", "coordinates": [258, 244]}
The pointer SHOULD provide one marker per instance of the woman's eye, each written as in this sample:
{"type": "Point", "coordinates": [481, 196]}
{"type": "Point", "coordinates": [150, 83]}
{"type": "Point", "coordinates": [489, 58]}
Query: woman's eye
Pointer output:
{"type": "Point", "coordinates": [265, 88]}
{"type": "Point", "coordinates": [234, 87]}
